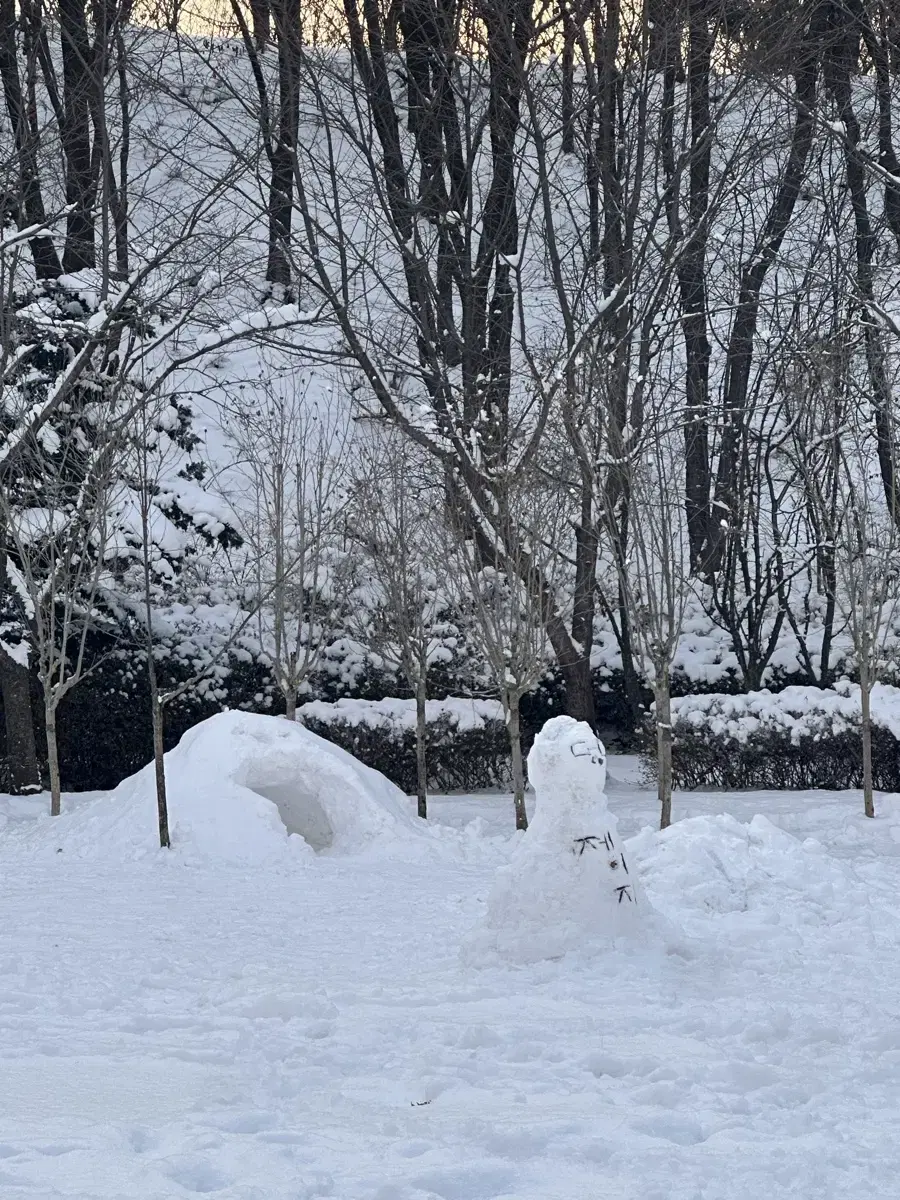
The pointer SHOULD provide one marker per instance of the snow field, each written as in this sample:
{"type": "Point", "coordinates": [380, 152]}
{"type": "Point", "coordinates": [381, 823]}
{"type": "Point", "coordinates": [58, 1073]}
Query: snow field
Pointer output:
{"type": "Point", "coordinates": [173, 1028]}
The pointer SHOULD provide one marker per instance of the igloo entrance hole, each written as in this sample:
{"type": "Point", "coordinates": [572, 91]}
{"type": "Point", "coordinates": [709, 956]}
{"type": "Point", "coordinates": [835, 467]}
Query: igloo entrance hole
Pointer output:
{"type": "Point", "coordinates": [301, 813]}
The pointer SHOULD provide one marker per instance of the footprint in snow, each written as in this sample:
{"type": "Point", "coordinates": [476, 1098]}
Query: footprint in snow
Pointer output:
{"type": "Point", "coordinates": [196, 1176]}
{"type": "Point", "coordinates": [142, 1140]}
{"type": "Point", "coordinates": [678, 1131]}
{"type": "Point", "coordinates": [467, 1183]}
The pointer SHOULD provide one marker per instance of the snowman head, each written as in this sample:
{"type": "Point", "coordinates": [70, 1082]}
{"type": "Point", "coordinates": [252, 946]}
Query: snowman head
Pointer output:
{"type": "Point", "coordinates": [567, 755]}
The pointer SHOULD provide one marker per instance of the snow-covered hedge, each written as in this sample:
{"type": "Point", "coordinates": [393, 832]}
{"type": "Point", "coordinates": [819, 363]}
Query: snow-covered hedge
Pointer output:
{"type": "Point", "coordinates": [802, 737]}
{"type": "Point", "coordinates": [467, 742]}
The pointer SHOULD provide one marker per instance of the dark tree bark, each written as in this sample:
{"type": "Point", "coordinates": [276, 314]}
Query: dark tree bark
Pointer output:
{"type": "Point", "coordinates": [53, 760]}
{"type": "Point", "coordinates": [30, 202]}
{"type": "Point", "coordinates": [119, 191]}
{"type": "Point", "coordinates": [691, 268]}
{"type": "Point", "coordinates": [21, 746]}
{"type": "Point", "coordinates": [18, 715]}
{"type": "Point", "coordinates": [260, 16]}
{"type": "Point", "coordinates": [739, 353]}
{"type": "Point", "coordinates": [509, 31]}
{"type": "Point", "coordinates": [279, 128]}
{"type": "Point", "coordinates": [518, 767]}
{"type": "Point", "coordinates": [287, 16]}
{"type": "Point", "coordinates": [875, 37]}
{"type": "Point", "coordinates": [840, 62]}
{"type": "Point", "coordinates": [82, 165]}
{"type": "Point", "coordinates": [421, 744]}
{"type": "Point", "coordinates": [568, 79]}
{"type": "Point", "coordinates": [159, 750]}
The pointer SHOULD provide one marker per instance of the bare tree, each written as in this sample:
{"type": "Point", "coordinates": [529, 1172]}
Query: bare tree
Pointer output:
{"type": "Point", "coordinates": [868, 571]}
{"type": "Point", "coordinates": [295, 460]}
{"type": "Point", "coordinates": [411, 237]}
{"type": "Point", "coordinates": [57, 531]}
{"type": "Point", "coordinates": [278, 121]}
{"type": "Point", "coordinates": [395, 515]}
{"type": "Point", "coordinates": [162, 552]}
{"type": "Point", "coordinates": [507, 611]}
{"type": "Point", "coordinates": [816, 384]}
{"type": "Point", "coordinates": [656, 580]}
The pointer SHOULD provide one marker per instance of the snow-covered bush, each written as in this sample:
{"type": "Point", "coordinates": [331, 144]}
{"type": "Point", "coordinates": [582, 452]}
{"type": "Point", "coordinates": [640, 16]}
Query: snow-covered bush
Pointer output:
{"type": "Point", "coordinates": [467, 743]}
{"type": "Point", "coordinates": [802, 737]}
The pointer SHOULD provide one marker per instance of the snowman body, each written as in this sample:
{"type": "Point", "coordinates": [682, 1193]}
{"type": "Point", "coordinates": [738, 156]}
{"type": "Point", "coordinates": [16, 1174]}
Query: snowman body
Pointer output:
{"type": "Point", "coordinates": [568, 883]}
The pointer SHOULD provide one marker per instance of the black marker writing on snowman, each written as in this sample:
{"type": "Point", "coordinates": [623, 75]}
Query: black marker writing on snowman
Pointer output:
{"type": "Point", "coordinates": [596, 842]}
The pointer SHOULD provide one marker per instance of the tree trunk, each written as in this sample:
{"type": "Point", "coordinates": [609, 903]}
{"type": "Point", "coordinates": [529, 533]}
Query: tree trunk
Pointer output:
{"type": "Point", "coordinates": [576, 672]}
{"type": "Point", "coordinates": [290, 704]}
{"type": "Point", "coordinates": [120, 212]}
{"type": "Point", "coordinates": [568, 80]}
{"type": "Point", "coordinates": [260, 16]}
{"type": "Point", "coordinates": [630, 677]}
{"type": "Point", "coordinates": [156, 710]}
{"type": "Point", "coordinates": [421, 762]}
{"type": "Point", "coordinates": [162, 803]}
{"type": "Point", "coordinates": [736, 391]}
{"type": "Point", "coordinates": [21, 749]}
{"type": "Point", "coordinates": [865, 696]}
{"type": "Point", "coordinates": [691, 269]}
{"type": "Point", "coordinates": [664, 746]}
{"type": "Point", "coordinates": [840, 67]}
{"type": "Point", "coordinates": [281, 189]}
{"type": "Point", "coordinates": [29, 204]}
{"type": "Point", "coordinates": [52, 759]}
{"type": "Point", "coordinates": [518, 769]}
{"type": "Point", "coordinates": [79, 88]}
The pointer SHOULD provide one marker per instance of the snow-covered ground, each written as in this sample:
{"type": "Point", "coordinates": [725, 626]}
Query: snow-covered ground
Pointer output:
{"type": "Point", "coordinates": [173, 1028]}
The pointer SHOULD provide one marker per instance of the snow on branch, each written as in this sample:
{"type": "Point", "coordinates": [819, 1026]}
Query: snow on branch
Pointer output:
{"type": "Point", "coordinates": [262, 320]}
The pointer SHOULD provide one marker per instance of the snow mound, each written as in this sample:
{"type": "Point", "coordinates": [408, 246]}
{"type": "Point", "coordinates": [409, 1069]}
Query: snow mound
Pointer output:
{"type": "Point", "coordinates": [239, 785]}
{"type": "Point", "coordinates": [715, 866]}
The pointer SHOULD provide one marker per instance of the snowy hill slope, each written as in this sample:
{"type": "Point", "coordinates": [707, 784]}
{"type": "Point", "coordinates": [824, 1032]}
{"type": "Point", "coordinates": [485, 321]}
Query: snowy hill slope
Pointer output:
{"type": "Point", "coordinates": [194, 123]}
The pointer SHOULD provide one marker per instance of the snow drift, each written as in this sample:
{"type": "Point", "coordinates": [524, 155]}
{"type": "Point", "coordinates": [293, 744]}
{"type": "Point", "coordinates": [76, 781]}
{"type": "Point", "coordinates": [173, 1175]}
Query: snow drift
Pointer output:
{"type": "Point", "coordinates": [715, 868]}
{"type": "Point", "coordinates": [239, 785]}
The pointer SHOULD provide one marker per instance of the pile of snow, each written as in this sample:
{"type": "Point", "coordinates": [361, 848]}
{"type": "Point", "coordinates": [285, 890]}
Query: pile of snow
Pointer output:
{"type": "Point", "coordinates": [460, 713]}
{"type": "Point", "coordinates": [799, 711]}
{"type": "Point", "coordinates": [242, 788]}
{"type": "Point", "coordinates": [716, 866]}
{"type": "Point", "coordinates": [567, 885]}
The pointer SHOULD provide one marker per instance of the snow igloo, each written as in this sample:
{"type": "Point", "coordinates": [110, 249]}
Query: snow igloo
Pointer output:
{"type": "Point", "coordinates": [320, 792]}
{"type": "Point", "coordinates": [238, 785]}
{"type": "Point", "coordinates": [568, 883]}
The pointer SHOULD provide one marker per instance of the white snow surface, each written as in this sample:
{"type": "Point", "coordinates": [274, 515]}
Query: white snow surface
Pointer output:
{"type": "Point", "coordinates": [172, 1027]}
{"type": "Point", "coordinates": [242, 789]}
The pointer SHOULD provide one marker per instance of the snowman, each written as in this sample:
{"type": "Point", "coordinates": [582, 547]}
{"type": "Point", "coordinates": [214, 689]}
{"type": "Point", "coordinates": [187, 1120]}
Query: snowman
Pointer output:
{"type": "Point", "coordinates": [568, 883]}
